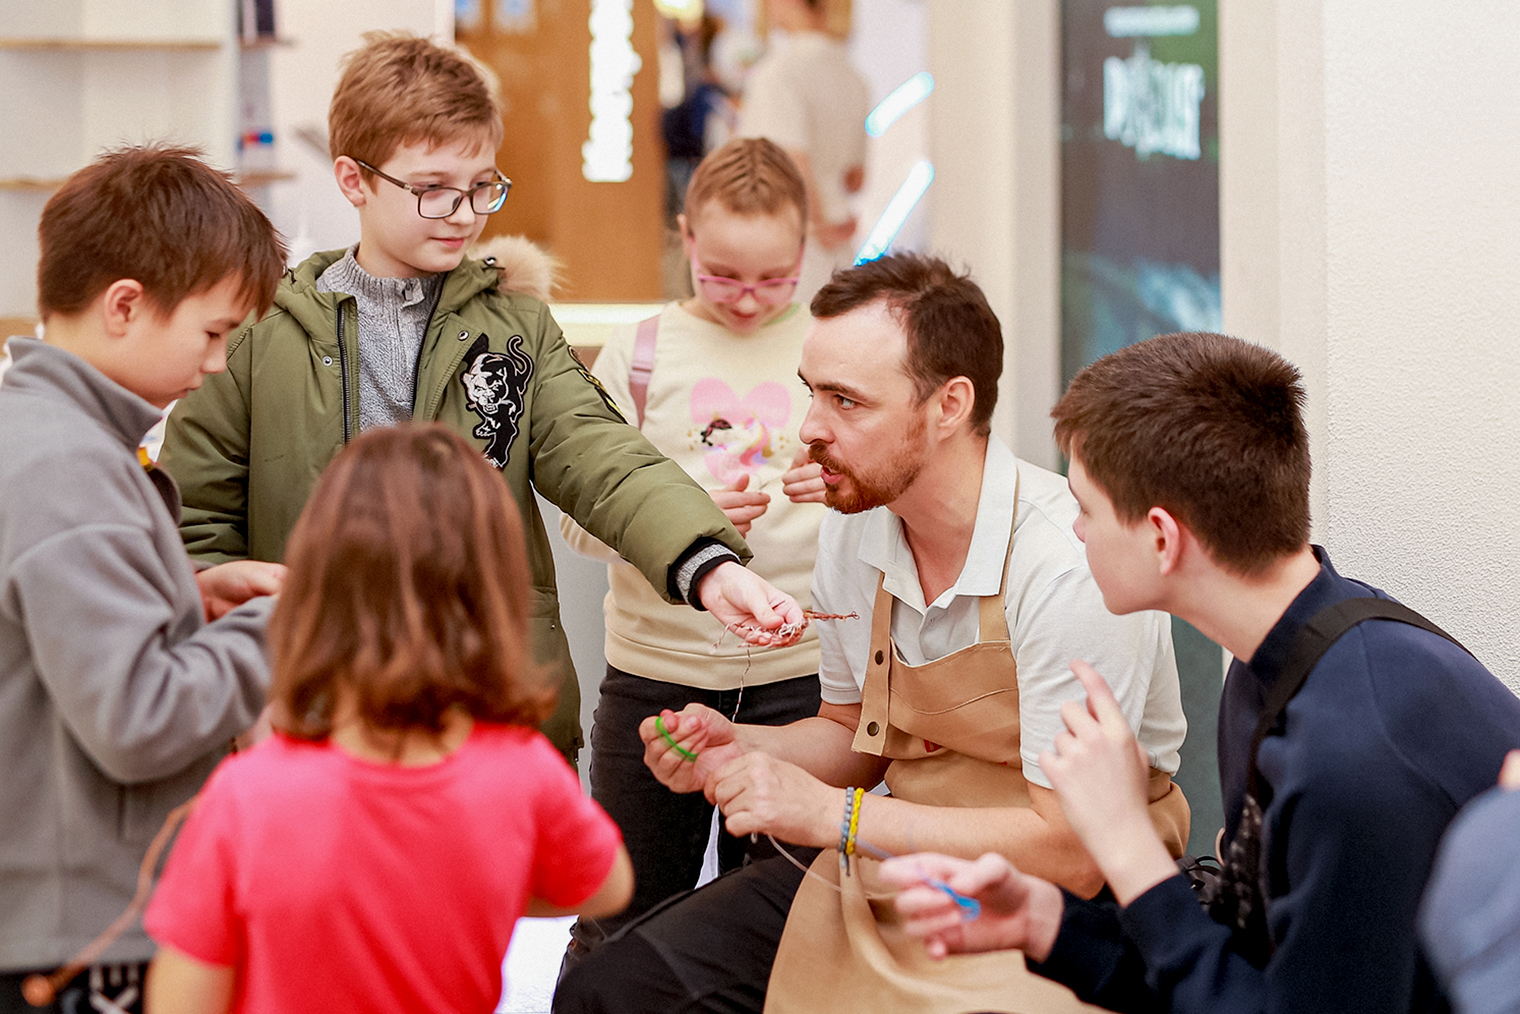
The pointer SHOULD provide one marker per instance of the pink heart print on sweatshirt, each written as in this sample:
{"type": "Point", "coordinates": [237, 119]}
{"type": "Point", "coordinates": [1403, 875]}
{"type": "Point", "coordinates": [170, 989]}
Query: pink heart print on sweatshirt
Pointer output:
{"type": "Point", "coordinates": [743, 433]}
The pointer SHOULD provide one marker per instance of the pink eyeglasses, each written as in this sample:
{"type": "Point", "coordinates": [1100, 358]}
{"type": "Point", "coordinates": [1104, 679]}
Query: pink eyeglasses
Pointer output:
{"type": "Point", "coordinates": [771, 292]}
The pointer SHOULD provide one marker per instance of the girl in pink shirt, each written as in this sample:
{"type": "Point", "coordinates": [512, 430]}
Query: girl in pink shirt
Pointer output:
{"type": "Point", "coordinates": [376, 852]}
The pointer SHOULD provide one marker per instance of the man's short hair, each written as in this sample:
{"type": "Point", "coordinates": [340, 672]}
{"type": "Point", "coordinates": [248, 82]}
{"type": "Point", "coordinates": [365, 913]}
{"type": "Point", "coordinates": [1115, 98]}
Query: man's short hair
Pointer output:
{"type": "Point", "coordinates": [951, 330]}
{"type": "Point", "coordinates": [748, 176]}
{"type": "Point", "coordinates": [1209, 428]}
{"type": "Point", "coordinates": [400, 89]}
{"type": "Point", "coordinates": [161, 216]}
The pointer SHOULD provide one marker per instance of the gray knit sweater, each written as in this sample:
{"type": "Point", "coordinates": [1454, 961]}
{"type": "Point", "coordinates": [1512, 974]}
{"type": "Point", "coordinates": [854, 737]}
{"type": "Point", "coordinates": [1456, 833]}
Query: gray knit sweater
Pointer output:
{"type": "Point", "coordinates": [116, 697]}
{"type": "Point", "coordinates": [393, 316]}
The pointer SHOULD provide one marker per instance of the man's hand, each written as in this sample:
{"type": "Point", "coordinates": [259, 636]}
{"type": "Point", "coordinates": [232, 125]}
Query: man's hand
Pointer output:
{"type": "Point", "coordinates": [751, 606]}
{"type": "Point", "coordinates": [741, 507]}
{"type": "Point", "coordinates": [1018, 911]}
{"type": "Point", "coordinates": [228, 585]}
{"type": "Point", "coordinates": [1099, 771]}
{"type": "Point", "coordinates": [803, 482]}
{"type": "Point", "coordinates": [759, 794]}
{"type": "Point", "coordinates": [698, 729]}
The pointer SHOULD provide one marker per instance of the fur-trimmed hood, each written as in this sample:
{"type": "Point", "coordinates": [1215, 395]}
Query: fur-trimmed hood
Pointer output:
{"type": "Point", "coordinates": [524, 266]}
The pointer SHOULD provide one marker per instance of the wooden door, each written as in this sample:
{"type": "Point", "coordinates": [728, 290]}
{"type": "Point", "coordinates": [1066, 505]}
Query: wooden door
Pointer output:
{"type": "Point", "coordinates": [607, 234]}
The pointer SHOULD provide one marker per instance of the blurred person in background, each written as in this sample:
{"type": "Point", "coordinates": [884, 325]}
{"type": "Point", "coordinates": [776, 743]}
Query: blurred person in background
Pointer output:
{"type": "Point", "coordinates": [805, 95]}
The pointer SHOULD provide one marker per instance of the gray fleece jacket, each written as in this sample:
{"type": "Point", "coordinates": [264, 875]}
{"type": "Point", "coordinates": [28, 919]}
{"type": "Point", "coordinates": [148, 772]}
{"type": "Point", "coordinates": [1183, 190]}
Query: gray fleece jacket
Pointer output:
{"type": "Point", "coordinates": [116, 697]}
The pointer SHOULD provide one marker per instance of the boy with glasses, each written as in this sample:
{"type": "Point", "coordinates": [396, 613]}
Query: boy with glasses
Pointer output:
{"type": "Point", "coordinates": [714, 382]}
{"type": "Point", "coordinates": [404, 326]}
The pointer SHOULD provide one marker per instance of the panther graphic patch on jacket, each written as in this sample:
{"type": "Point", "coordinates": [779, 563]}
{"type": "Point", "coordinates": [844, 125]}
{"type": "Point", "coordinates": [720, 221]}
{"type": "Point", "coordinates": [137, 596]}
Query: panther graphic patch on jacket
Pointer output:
{"type": "Point", "coordinates": [494, 384]}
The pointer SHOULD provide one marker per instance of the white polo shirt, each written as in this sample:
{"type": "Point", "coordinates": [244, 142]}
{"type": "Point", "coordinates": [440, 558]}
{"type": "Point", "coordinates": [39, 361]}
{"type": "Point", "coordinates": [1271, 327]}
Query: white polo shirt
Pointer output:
{"type": "Point", "coordinates": [1054, 610]}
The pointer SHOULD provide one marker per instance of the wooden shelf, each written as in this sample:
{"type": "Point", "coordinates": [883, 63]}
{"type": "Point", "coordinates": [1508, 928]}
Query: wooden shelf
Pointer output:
{"type": "Point", "coordinates": [264, 42]}
{"type": "Point", "coordinates": [262, 177]}
{"type": "Point", "coordinates": [199, 45]}
{"type": "Point", "coordinates": [31, 183]}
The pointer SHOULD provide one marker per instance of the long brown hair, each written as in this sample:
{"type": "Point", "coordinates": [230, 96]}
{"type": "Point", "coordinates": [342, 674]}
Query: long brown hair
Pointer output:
{"type": "Point", "coordinates": [409, 587]}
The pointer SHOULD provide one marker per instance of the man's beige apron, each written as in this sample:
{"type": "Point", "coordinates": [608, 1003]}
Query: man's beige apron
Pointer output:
{"type": "Point", "coordinates": [951, 729]}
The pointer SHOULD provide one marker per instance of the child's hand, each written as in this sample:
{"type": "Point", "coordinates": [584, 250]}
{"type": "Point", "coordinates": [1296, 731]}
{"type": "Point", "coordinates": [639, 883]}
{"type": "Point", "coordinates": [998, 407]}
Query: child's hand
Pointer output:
{"type": "Point", "coordinates": [803, 482]}
{"type": "Point", "coordinates": [228, 585]}
{"type": "Point", "coordinates": [1099, 771]}
{"type": "Point", "coordinates": [741, 507]}
{"type": "Point", "coordinates": [1017, 910]}
{"type": "Point", "coordinates": [752, 607]}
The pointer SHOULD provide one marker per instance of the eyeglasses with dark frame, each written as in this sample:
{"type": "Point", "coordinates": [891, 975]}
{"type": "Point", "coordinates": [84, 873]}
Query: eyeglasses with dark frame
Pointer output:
{"type": "Point", "coordinates": [433, 201]}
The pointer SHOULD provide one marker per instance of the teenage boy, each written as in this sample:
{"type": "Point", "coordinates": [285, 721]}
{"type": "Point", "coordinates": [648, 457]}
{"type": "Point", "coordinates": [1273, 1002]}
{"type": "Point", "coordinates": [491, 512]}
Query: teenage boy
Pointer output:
{"type": "Point", "coordinates": [1190, 459]}
{"type": "Point", "coordinates": [959, 593]}
{"type": "Point", "coordinates": [116, 696]}
{"type": "Point", "coordinates": [403, 326]}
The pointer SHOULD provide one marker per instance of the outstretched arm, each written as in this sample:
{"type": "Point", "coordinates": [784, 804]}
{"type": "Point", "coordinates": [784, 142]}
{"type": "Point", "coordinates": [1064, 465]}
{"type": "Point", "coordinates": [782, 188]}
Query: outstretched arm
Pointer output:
{"type": "Point", "coordinates": [751, 606]}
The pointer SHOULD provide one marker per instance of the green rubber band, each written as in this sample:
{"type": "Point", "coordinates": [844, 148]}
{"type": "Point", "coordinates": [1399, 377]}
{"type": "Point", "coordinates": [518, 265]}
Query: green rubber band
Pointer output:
{"type": "Point", "coordinates": [659, 723]}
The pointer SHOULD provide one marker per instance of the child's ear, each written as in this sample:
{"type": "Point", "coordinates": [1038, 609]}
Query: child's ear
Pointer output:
{"type": "Point", "coordinates": [350, 180]}
{"type": "Point", "coordinates": [123, 303]}
{"type": "Point", "coordinates": [683, 225]}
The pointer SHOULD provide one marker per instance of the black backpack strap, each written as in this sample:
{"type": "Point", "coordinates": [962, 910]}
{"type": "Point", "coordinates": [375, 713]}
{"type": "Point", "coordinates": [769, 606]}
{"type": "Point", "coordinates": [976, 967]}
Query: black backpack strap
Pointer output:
{"type": "Point", "coordinates": [1314, 639]}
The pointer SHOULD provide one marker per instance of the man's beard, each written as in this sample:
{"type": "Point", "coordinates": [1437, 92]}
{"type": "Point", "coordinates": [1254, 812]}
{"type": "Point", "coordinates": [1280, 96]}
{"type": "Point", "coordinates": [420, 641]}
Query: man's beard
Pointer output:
{"type": "Point", "coordinates": [876, 490]}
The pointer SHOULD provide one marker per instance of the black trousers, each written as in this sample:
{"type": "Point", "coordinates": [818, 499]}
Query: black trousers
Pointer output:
{"type": "Point", "coordinates": [707, 950]}
{"type": "Point", "coordinates": [666, 832]}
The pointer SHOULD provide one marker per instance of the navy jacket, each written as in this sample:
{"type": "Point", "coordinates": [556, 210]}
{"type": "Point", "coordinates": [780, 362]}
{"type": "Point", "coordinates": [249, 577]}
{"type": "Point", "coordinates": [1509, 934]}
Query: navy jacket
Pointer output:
{"type": "Point", "coordinates": [1394, 730]}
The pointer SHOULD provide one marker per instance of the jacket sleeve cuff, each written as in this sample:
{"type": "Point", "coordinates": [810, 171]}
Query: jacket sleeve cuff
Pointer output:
{"type": "Point", "coordinates": [1094, 958]}
{"type": "Point", "coordinates": [1165, 924]}
{"type": "Point", "coordinates": [700, 559]}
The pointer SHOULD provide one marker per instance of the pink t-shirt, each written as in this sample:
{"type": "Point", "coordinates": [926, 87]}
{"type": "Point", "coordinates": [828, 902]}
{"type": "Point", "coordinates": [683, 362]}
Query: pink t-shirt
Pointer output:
{"type": "Point", "coordinates": [333, 883]}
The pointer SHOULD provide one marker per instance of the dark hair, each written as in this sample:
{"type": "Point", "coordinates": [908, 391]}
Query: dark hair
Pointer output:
{"type": "Point", "coordinates": [408, 585]}
{"type": "Point", "coordinates": [748, 176]}
{"type": "Point", "coordinates": [400, 89]}
{"type": "Point", "coordinates": [161, 216]}
{"type": "Point", "coordinates": [951, 330]}
{"type": "Point", "coordinates": [1207, 427]}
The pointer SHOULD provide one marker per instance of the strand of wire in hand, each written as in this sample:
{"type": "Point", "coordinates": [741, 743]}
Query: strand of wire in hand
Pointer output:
{"type": "Point", "coordinates": [784, 631]}
{"type": "Point", "coordinates": [970, 907]}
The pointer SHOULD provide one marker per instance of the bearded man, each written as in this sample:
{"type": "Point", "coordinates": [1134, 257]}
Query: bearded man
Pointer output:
{"type": "Point", "coordinates": [958, 597]}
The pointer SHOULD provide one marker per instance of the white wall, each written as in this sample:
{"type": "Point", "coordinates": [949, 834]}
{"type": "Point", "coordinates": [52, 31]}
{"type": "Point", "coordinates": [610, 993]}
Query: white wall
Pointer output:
{"type": "Point", "coordinates": [309, 210]}
{"type": "Point", "coordinates": [994, 143]}
{"type": "Point", "coordinates": [1371, 233]}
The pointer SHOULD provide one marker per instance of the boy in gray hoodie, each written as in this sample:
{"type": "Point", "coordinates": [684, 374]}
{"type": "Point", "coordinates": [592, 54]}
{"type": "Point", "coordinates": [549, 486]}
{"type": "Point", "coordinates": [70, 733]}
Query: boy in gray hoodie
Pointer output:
{"type": "Point", "coordinates": [117, 696]}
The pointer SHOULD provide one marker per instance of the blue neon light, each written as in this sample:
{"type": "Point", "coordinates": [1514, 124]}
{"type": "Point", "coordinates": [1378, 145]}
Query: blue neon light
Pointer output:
{"type": "Point", "coordinates": [903, 98]}
{"type": "Point", "coordinates": [898, 209]}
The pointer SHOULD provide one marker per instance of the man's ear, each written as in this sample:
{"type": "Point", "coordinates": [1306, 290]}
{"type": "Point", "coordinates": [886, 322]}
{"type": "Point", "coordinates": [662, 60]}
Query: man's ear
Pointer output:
{"type": "Point", "coordinates": [956, 399]}
{"type": "Point", "coordinates": [350, 180]}
{"type": "Point", "coordinates": [1169, 539]}
{"type": "Point", "coordinates": [122, 304]}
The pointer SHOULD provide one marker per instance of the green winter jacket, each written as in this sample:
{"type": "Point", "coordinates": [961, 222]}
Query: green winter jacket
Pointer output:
{"type": "Point", "coordinates": [248, 446]}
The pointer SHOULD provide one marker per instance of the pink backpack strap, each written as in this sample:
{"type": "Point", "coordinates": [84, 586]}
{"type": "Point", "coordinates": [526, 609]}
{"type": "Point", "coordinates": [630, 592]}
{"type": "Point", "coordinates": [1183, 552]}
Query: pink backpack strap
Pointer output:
{"type": "Point", "coordinates": [641, 367]}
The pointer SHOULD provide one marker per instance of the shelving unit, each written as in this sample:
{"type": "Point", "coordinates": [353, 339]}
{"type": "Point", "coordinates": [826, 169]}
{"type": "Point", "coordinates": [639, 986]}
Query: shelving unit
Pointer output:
{"type": "Point", "coordinates": [81, 76]}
